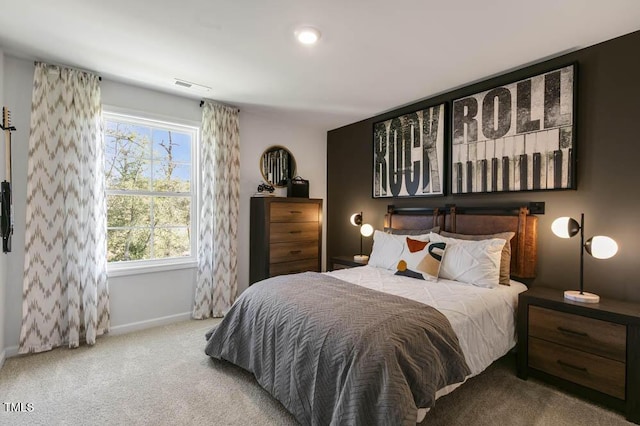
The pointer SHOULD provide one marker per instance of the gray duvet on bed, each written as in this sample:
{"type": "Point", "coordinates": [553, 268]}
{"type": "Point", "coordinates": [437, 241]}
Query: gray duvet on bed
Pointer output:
{"type": "Point", "coordinates": [333, 352]}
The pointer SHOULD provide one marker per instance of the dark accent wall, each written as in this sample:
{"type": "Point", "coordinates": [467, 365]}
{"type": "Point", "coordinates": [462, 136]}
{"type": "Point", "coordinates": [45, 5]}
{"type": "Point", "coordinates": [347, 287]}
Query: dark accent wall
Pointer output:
{"type": "Point", "coordinates": [608, 173]}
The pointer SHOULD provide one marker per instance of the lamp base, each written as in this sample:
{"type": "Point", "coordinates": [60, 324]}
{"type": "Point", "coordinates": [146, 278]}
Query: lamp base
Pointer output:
{"type": "Point", "coordinates": [360, 258]}
{"type": "Point", "coordinates": [583, 297]}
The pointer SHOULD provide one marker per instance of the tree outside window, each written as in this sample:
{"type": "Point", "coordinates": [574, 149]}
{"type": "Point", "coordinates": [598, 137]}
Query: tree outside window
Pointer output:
{"type": "Point", "coordinates": [150, 189]}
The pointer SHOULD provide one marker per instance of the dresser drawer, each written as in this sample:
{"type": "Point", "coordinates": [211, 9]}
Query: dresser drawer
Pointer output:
{"type": "Point", "coordinates": [294, 212]}
{"type": "Point", "coordinates": [591, 335]}
{"type": "Point", "coordinates": [286, 252]}
{"type": "Point", "coordinates": [294, 231]}
{"type": "Point", "coordinates": [293, 267]}
{"type": "Point", "coordinates": [593, 371]}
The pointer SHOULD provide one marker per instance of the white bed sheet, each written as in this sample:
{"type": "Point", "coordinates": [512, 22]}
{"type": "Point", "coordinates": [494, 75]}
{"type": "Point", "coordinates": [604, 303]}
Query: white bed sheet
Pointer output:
{"type": "Point", "coordinates": [483, 319]}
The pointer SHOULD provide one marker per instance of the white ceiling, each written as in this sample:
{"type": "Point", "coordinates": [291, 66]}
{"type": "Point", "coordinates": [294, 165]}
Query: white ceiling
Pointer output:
{"type": "Point", "coordinates": [373, 55]}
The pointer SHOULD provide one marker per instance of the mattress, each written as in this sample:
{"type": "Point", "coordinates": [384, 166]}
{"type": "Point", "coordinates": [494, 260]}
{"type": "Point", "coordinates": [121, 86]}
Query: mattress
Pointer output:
{"type": "Point", "coordinates": [483, 319]}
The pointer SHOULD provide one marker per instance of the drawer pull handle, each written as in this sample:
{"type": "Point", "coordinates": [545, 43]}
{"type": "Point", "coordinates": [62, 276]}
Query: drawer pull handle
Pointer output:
{"type": "Point", "coordinates": [295, 251]}
{"type": "Point", "coordinates": [575, 333]}
{"type": "Point", "coordinates": [575, 367]}
{"type": "Point", "coordinates": [295, 232]}
{"type": "Point", "coordinates": [295, 212]}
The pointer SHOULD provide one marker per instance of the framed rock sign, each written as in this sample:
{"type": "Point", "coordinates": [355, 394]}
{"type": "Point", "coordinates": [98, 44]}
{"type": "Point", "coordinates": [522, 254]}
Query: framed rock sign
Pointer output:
{"type": "Point", "coordinates": [408, 153]}
{"type": "Point", "coordinates": [516, 137]}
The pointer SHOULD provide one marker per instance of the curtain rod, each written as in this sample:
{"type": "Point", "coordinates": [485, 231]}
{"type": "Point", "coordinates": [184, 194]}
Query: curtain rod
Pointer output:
{"type": "Point", "coordinates": [65, 66]}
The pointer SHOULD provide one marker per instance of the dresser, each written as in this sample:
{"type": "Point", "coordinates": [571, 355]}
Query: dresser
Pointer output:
{"type": "Point", "coordinates": [286, 236]}
{"type": "Point", "coordinates": [592, 350]}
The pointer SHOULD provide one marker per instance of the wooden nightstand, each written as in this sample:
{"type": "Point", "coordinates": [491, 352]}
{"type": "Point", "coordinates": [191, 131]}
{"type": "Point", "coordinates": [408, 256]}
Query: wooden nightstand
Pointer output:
{"type": "Point", "coordinates": [592, 350]}
{"type": "Point", "coordinates": [343, 262]}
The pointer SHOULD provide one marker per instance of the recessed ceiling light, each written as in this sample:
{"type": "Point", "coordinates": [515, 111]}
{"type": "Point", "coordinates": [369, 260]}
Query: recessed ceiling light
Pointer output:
{"type": "Point", "coordinates": [307, 35]}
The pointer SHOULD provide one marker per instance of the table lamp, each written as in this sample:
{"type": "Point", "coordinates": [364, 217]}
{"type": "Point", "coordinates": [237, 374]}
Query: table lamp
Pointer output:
{"type": "Point", "coordinates": [600, 247]}
{"type": "Point", "coordinates": [365, 231]}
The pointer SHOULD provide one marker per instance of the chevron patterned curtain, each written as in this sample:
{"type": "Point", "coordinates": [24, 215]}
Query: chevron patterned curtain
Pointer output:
{"type": "Point", "coordinates": [219, 204]}
{"type": "Point", "coordinates": [65, 294]}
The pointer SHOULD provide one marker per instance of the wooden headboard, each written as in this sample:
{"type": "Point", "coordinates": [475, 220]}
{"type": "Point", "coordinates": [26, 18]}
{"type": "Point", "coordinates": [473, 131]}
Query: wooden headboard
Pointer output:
{"type": "Point", "coordinates": [478, 221]}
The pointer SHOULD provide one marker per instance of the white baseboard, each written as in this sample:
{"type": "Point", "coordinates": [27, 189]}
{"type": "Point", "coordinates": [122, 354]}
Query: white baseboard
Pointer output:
{"type": "Point", "coordinates": [141, 325]}
{"type": "Point", "coordinates": [9, 352]}
{"type": "Point", "coordinates": [12, 351]}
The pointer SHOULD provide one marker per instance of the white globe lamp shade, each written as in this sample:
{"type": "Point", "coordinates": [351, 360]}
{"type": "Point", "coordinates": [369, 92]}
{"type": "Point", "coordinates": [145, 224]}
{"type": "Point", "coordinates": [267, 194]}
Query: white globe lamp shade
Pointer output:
{"type": "Point", "coordinates": [601, 247]}
{"type": "Point", "coordinates": [356, 219]}
{"type": "Point", "coordinates": [366, 230]}
{"type": "Point", "coordinates": [565, 227]}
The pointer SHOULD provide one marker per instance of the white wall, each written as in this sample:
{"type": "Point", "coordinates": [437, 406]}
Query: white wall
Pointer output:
{"type": "Point", "coordinates": [147, 299]}
{"type": "Point", "coordinates": [18, 80]}
{"type": "Point", "coordinates": [259, 131]}
{"type": "Point", "coordinates": [3, 258]}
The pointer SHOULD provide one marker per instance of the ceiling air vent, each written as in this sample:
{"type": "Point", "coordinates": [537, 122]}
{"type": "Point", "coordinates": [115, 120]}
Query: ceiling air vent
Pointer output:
{"type": "Point", "coordinates": [190, 85]}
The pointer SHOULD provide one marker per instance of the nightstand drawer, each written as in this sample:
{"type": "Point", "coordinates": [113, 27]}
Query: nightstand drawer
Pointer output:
{"type": "Point", "coordinates": [598, 337]}
{"type": "Point", "coordinates": [286, 252]}
{"type": "Point", "coordinates": [599, 373]}
{"type": "Point", "coordinates": [295, 231]}
{"type": "Point", "coordinates": [294, 212]}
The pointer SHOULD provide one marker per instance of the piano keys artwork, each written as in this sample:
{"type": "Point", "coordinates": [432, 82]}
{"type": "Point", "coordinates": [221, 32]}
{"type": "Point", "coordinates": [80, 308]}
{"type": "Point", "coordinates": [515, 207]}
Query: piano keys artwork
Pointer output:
{"type": "Point", "coordinates": [408, 154]}
{"type": "Point", "coordinates": [517, 137]}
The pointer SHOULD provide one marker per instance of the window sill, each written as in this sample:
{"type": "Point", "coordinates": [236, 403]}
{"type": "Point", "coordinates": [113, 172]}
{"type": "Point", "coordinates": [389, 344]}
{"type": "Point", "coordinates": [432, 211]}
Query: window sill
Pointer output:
{"type": "Point", "coordinates": [124, 270]}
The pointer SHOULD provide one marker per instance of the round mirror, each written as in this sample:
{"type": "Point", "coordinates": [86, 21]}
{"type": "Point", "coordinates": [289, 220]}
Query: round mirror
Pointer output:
{"type": "Point", "coordinates": [277, 165]}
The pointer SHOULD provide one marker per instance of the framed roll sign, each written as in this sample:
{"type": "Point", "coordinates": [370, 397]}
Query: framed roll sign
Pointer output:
{"type": "Point", "coordinates": [516, 137]}
{"type": "Point", "coordinates": [408, 154]}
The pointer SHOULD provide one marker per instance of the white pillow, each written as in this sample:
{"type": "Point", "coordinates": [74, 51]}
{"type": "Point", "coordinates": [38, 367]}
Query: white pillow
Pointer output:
{"type": "Point", "coordinates": [472, 262]}
{"type": "Point", "coordinates": [388, 248]}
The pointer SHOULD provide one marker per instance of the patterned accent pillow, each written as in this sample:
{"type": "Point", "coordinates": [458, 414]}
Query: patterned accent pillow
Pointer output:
{"type": "Point", "coordinates": [422, 260]}
{"type": "Point", "coordinates": [416, 245]}
{"type": "Point", "coordinates": [505, 257]}
{"type": "Point", "coordinates": [388, 249]}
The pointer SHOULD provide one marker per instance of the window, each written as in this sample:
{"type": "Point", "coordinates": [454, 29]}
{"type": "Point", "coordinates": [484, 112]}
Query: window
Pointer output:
{"type": "Point", "coordinates": [149, 168]}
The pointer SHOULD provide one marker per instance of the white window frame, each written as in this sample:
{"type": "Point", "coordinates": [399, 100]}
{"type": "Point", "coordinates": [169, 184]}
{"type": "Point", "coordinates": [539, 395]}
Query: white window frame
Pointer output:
{"type": "Point", "coordinates": [132, 267]}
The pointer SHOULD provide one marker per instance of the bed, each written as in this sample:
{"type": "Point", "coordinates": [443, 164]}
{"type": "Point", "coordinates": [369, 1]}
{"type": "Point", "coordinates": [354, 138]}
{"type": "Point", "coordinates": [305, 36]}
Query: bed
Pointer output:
{"type": "Point", "coordinates": [375, 344]}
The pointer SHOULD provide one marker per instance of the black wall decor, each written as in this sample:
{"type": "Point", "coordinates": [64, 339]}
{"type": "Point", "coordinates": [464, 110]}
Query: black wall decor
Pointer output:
{"type": "Point", "coordinates": [408, 153]}
{"type": "Point", "coordinates": [607, 154]}
{"type": "Point", "coordinates": [518, 136]}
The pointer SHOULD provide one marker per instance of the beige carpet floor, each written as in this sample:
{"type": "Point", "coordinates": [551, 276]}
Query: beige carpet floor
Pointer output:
{"type": "Point", "coordinates": [161, 376]}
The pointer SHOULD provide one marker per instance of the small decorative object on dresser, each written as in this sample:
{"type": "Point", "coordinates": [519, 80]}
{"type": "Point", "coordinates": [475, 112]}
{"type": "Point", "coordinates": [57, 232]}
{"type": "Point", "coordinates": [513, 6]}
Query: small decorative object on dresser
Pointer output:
{"type": "Point", "coordinates": [344, 262]}
{"type": "Point", "coordinates": [600, 247]}
{"type": "Point", "coordinates": [592, 350]}
{"type": "Point", "coordinates": [366, 230]}
{"type": "Point", "coordinates": [265, 187]}
{"type": "Point", "coordinates": [285, 236]}
{"type": "Point", "coordinates": [298, 187]}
